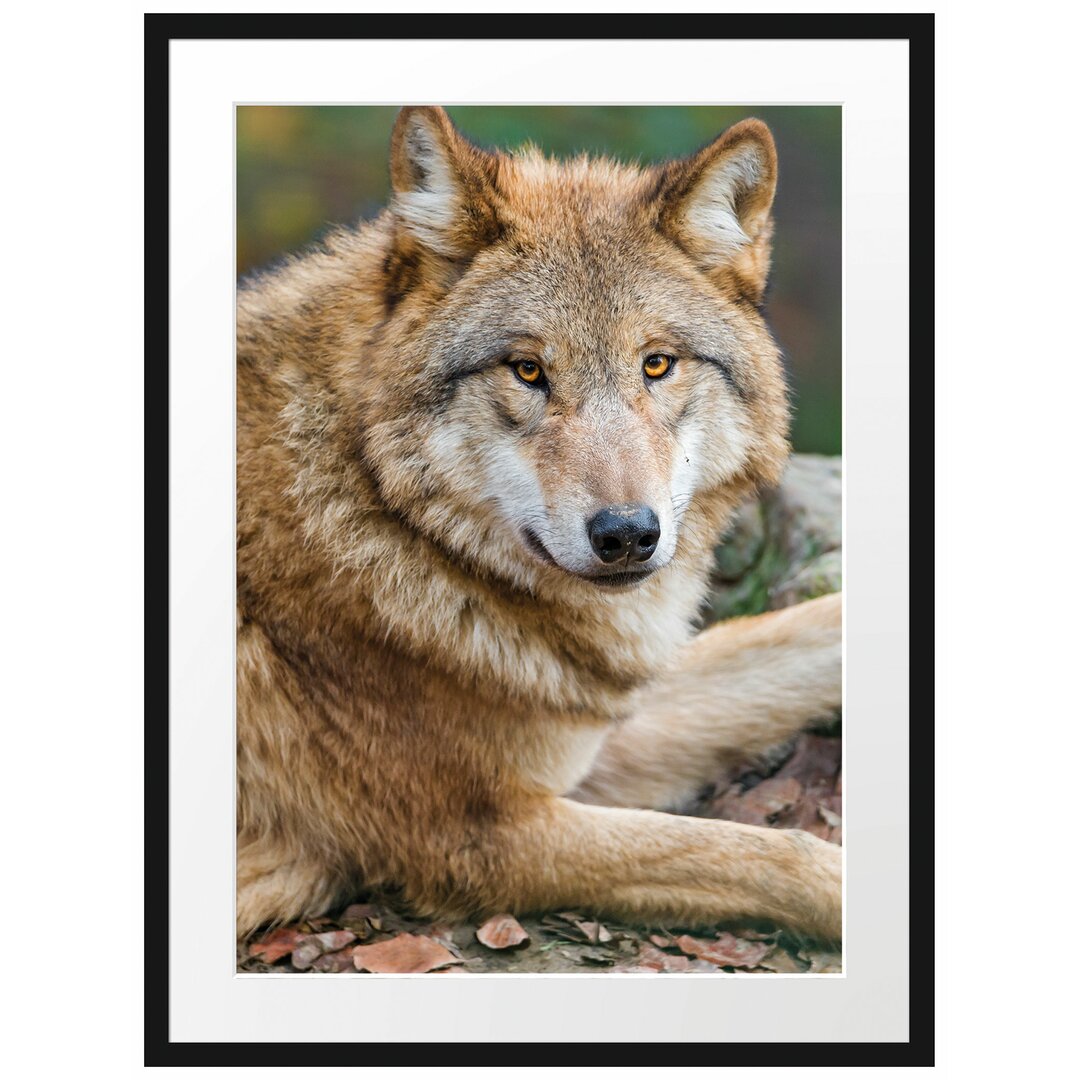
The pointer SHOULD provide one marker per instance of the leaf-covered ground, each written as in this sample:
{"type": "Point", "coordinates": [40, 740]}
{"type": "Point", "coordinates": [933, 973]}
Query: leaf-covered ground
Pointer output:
{"type": "Point", "coordinates": [780, 550]}
{"type": "Point", "coordinates": [799, 788]}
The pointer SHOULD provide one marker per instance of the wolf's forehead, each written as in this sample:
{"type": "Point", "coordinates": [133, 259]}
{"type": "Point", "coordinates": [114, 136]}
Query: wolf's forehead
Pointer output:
{"type": "Point", "coordinates": [571, 291]}
{"type": "Point", "coordinates": [604, 278]}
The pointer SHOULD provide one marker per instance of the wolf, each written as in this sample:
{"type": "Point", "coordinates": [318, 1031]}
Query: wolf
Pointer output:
{"type": "Point", "coordinates": [487, 442]}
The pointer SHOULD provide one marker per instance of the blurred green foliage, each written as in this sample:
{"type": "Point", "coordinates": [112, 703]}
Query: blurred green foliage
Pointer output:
{"type": "Point", "coordinates": [302, 168]}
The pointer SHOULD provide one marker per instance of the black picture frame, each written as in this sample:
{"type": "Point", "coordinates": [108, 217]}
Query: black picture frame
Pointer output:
{"type": "Point", "coordinates": [159, 31]}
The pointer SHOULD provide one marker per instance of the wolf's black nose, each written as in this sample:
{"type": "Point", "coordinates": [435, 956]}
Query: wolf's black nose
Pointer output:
{"type": "Point", "coordinates": [628, 530]}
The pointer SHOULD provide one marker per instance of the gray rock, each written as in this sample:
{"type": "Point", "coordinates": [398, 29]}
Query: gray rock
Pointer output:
{"type": "Point", "coordinates": [784, 546]}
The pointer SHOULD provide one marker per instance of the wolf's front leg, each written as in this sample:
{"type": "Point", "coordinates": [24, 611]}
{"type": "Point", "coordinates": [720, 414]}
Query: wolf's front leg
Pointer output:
{"type": "Point", "coordinates": [641, 866]}
{"type": "Point", "coordinates": [737, 689]}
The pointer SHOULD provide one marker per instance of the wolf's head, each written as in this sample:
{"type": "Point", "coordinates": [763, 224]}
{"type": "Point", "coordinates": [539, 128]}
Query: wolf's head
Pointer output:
{"type": "Point", "coordinates": [571, 355]}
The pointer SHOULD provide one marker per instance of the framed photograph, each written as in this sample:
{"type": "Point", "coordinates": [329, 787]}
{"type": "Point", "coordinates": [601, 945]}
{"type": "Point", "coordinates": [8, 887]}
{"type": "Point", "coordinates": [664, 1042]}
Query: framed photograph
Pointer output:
{"type": "Point", "coordinates": [536, 416]}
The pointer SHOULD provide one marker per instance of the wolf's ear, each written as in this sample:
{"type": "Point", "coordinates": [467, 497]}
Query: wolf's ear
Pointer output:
{"type": "Point", "coordinates": [716, 204]}
{"type": "Point", "coordinates": [444, 186]}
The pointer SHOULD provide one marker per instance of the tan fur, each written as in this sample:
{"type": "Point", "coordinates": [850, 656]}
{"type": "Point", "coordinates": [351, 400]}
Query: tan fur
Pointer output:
{"type": "Point", "coordinates": [418, 689]}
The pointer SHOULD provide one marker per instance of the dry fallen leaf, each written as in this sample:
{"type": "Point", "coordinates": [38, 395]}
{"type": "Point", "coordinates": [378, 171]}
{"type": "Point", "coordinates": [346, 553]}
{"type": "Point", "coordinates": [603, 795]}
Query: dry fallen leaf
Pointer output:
{"type": "Point", "coordinates": [652, 959]}
{"type": "Point", "coordinates": [804, 815]}
{"type": "Point", "coordinates": [442, 932]}
{"type": "Point", "coordinates": [403, 954]}
{"type": "Point", "coordinates": [361, 918]}
{"type": "Point", "coordinates": [356, 912]}
{"type": "Point", "coordinates": [586, 954]}
{"type": "Point", "coordinates": [334, 962]}
{"type": "Point", "coordinates": [816, 760]}
{"type": "Point", "coordinates": [502, 932]}
{"type": "Point", "coordinates": [333, 940]}
{"type": "Point", "coordinates": [567, 930]}
{"type": "Point", "coordinates": [783, 963]}
{"type": "Point", "coordinates": [821, 963]}
{"type": "Point", "coordinates": [276, 945]}
{"type": "Point", "coordinates": [306, 953]}
{"type": "Point", "coordinates": [762, 804]}
{"type": "Point", "coordinates": [726, 951]}
{"type": "Point", "coordinates": [314, 945]}
{"type": "Point", "coordinates": [596, 932]}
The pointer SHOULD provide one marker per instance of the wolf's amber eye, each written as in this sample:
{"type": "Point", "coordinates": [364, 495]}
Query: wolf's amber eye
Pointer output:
{"type": "Point", "coordinates": [657, 365]}
{"type": "Point", "coordinates": [528, 371]}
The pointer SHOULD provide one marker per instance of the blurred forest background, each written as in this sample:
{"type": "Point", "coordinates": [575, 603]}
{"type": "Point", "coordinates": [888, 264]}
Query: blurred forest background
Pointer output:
{"type": "Point", "coordinates": [302, 168]}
